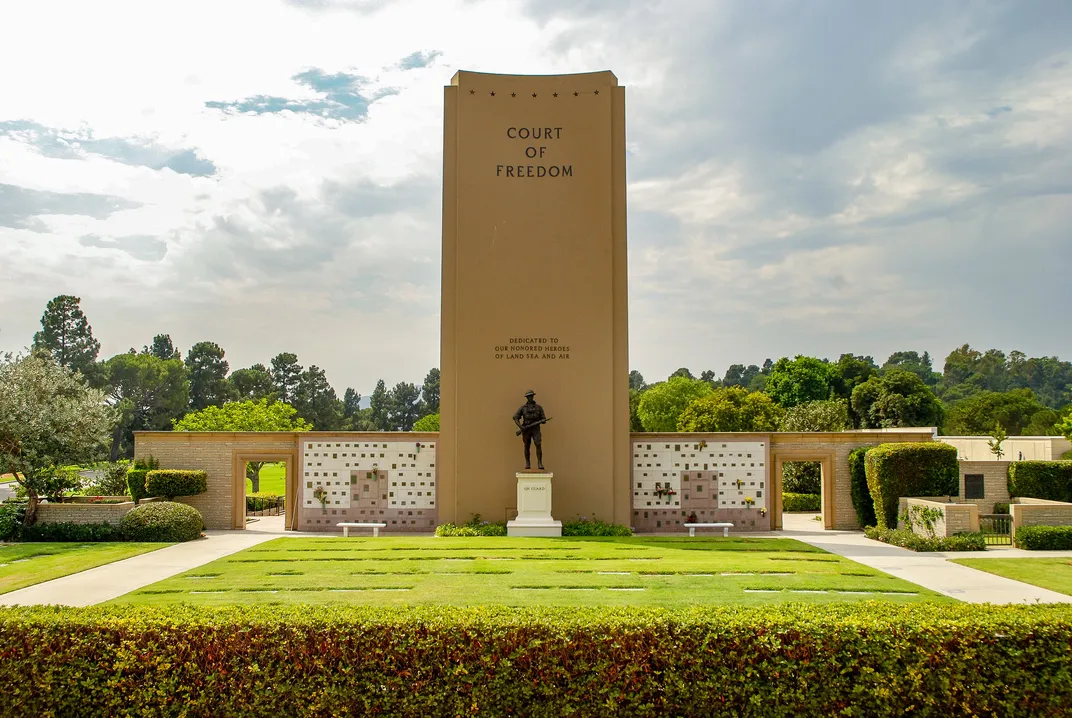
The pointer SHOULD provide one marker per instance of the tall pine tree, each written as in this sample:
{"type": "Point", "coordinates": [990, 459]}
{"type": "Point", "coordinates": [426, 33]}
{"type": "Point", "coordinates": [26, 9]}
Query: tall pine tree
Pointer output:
{"type": "Point", "coordinates": [66, 334]}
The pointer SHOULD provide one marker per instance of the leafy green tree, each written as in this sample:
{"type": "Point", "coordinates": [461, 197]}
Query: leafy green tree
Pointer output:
{"type": "Point", "coordinates": [260, 415]}
{"type": "Point", "coordinates": [1014, 410]}
{"type": "Point", "coordinates": [430, 392]}
{"type": "Point", "coordinates": [162, 348]}
{"type": "Point", "coordinates": [997, 438]}
{"type": "Point", "coordinates": [379, 406]}
{"type": "Point", "coordinates": [634, 418]}
{"type": "Point", "coordinates": [252, 384]}
{"type": "Point", "coordinates": [827, 415]}
{"type": "Point", "coordinates": [662, 403]}
{"type": "Point", "coordinates": [709, 376]}
{"type": "Point", "coordinates": [286, 373]}
{"type": "Point", "coordinates": [636, 381]}
{"type": "Point", "coordinates": [919, 365]}
{"type": "Point", "coordinates": [1065, 428]}
{"type": "Point", "coordinates": [208, 376]}
{"type": "Point", "coordinates": [403, 406]}
{"type": "Point", "coordinates": [351, 404]}
{"type": "Point", "coordinates": [683, 372]}
{"type": "Point", "coordinates": [316, 401]}
{"type": "Point", "coordinates": [429, 422]}
{"type": "Point", "coordinates": [849, 372]}
{"type": "Point", "coordinates": [48, 419]}
{"type": "Point", "coordinates": [897, 398]}
{"type": "Point", "coordinates": [148, 393]}
{"type": "Point", "coordinates": [799, 380]}
{"type": "Point", "coordinates": [66, 334]}
{"type": "Point", "coordinates": [731, 409]}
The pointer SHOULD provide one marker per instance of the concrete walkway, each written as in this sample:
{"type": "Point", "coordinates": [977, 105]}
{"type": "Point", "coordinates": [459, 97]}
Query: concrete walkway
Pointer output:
{"type": "Point", "coordinates": [930, 570]}
{"type": "Point", "coordinates": [112, 580]}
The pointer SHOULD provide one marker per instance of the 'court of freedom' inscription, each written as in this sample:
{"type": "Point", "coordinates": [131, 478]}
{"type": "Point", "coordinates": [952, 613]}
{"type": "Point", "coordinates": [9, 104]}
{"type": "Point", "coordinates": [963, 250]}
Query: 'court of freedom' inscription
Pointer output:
{"type": "Point", "coordinates": [522, 348]}
{"type": "Point", "coordinates": [534, 152]}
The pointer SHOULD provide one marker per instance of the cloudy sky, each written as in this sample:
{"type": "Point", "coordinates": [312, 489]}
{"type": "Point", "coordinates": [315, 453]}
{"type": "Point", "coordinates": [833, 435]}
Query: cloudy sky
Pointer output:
{"type": "Point", "coordinates": [804, 177]}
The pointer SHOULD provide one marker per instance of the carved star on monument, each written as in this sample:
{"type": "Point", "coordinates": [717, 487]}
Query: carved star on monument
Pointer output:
{"type": "Point", "coordinates": [493, 93]}
{"type": "Point", "coordinates": [534, 94]}
{"type": "Point", "coordinates": [472, 92]}
{"type": "Point", "coordinates": [554, 94]}
{"type": "Point", "coordinates": [513, 94]}
{"type": "Point", "coordinates": [597, 92]}
{"type": "Point", "coordinates": [575, 94]}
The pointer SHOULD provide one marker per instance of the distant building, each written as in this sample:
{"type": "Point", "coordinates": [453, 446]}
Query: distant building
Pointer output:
{"type": "Point", "coordinates": [1015, 448]}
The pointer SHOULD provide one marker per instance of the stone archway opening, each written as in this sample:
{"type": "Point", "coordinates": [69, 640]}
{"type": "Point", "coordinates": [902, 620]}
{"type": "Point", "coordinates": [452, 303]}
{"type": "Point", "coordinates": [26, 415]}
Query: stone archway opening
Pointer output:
{"type": "Point", "coordinates": [273, 475]}
{"type": "Point", "coordinates": [801, 465]}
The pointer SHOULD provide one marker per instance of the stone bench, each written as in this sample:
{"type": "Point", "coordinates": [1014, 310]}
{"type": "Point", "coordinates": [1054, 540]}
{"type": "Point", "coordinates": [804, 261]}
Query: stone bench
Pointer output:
{"type": "Point", "coordinates": [724, 526]}
{"type": "Point", "coordinates": [346, 526]}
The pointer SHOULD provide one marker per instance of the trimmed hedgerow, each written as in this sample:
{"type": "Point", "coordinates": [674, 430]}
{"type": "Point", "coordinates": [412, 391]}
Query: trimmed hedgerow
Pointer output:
{"type": "Point", "coordinates": [800, 502]}
{"type": "Point", "coordinates": [262, 500]}
{"type": "Point", "coordinates": [136, 478]}
{"type": "Point", "coordinates": [909, 469]}
{"type": "Point", "coordinates": [870, 659]}
{"type": "Point", "coordinates": [162, 521]}
{"type": "Point", "coordinates": [861, 494]}
{"type": "Point", "coordinates": [1050, 480]}
{"type": "Point", "coordinates": [906, 538]}
{"type": "Point", "coordinates": [67, 531]}
{"type": "Point", "coordinates": [473, 527]}
{"type": "Point", "coordinates": [1044, 538]}
{"type": "Point", "coordinates": [175, 482]}
{"type": "Point", "coordinates": [594, 527]}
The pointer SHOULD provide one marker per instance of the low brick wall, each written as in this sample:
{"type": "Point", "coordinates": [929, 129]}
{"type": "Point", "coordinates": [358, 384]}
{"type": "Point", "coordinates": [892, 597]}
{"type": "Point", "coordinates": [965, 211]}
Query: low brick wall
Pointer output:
{"type": "Point", "coordinates": [1039, 512]}
{"type": "Point", "coordinates": [956, 518]}
{"type": "Point", "coordinates": [82, 513]}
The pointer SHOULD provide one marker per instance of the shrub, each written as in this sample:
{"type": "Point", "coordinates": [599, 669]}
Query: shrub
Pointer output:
{"type": "Point", "coordinates": [909, 469]}
{"type": "Point", "coordinates": [873, 659]}
{"type": "Point", "coordinates": [1044, 538]}
{"type": "Point", "coordinates": [1001, 508]}
{"type": "Point", "coordinates": [11, 516]}
{"type": "Point", "coordinates": [262, 500]}
{"type": "Point", "coordinates": [473, 527]}
{"type": "Point", "coordinates": [67, 531]}
{"type": "Point", "coordinates": [136, 478]}
{"type": "Point", "coordinates": [1041, 480]}
{"type": "Point", "coordinates": [905, 538]}
{"type": "Point", "coordinates": [175, 482]}
{"type": "Point", "coordinates": [113, 482]}
{"type": "Point", "coordinates": [861, 495]}
{"type": "Point", "coordinates": [594, 527]}
{"type": "Point", "coordinates": [800, 502]}
{"type": "Point", "coordinates": [162, 521]}
{"type": "Point", "coordinates": [429, 422]}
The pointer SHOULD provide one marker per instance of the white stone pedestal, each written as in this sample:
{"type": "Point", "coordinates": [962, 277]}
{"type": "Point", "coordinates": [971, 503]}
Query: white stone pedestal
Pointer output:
{"type": "Point", "coordinates": [534, 506]}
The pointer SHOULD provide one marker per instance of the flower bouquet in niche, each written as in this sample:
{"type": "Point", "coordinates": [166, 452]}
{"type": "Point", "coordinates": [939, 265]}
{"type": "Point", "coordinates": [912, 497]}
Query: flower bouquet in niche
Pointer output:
{"type": "Point", "coordinates": [749, 501]}
{"type": "Point", "coordinates": [321, 495]}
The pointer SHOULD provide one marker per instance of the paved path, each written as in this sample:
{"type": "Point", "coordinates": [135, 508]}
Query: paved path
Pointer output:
{"type": "Point", "coordinates": [104, 583]}
{"type": "Point", "coordinates": [932, 570]}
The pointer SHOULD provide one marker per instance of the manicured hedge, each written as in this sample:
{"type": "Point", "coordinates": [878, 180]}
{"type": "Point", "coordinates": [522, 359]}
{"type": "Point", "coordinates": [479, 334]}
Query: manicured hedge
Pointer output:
{"type": "Point", "coordinates": [861, 495]}
{"type": "Point", "coordinates": [906, 538]}
{"type": "Point", "coordinates": [872, 659]}
{"type": "Point", "coordinates": [594, 527]}
{"type": "Point", "coordinates": [136, 478]}
{"type": "Point", "coordinates": [262, 500]}
{"type": "Point", "coordinates": [1041, 480]}
{"type": "Point", "coordinates": [909, 469]}
{"type": "Point", "coordinates": [162, 521]}
{"type": "Point", "coordinates": [1044, 538]}
{"type": "Point", "coordinates": [175, 482]}
{"type": "Point", "coordinates": [800, 502]}
{"type": "Point", "coordinates": [67, 531]}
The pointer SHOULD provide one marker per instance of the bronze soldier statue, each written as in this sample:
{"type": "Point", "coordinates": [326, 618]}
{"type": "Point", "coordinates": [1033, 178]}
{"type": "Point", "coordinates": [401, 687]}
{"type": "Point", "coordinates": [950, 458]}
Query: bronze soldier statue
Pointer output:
{"type": "Point", "coordinates": [529, 418]}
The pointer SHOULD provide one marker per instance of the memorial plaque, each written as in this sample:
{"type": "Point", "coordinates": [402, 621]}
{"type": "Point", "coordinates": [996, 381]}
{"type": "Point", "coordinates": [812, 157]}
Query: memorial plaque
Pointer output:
{"type": "Point", "coordinates": [534, 291]}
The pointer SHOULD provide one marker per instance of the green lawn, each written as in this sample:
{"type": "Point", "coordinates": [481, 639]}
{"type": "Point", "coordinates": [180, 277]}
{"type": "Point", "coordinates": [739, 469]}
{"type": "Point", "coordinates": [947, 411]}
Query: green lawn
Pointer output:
{"type": "Point", "coordinates": [24, 564]}
{"type": "Point", "coordinates": [657, 571]}
{"type": "Point", "coordinates": [273, 479]}
{"type": "Point", "coordinates": [1052, 573]}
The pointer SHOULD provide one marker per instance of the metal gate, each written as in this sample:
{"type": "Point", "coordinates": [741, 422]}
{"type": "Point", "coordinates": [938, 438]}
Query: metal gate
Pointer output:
{"type": "Point", "coordinates": [996, 529]}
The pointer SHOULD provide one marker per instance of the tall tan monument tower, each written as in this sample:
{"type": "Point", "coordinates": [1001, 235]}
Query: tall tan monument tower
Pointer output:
{"type": "Point", "coordinates": [534, 292]}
